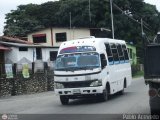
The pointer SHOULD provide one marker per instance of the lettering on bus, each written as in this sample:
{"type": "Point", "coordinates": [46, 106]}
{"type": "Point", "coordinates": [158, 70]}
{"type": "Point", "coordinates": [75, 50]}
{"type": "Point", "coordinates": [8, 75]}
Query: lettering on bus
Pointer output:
{"type": "Point", "coordinates": [77, 49]}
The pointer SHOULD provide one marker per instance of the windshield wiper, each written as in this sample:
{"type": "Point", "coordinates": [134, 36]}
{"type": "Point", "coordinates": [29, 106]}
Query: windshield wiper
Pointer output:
{"type": "Point", "coordinates": [91, 67]}
{"type": "Point", "coordinates": [72, 69]}
{"type": "Point", "coordinates": [87, 68]}
{"type": "Point", "coordinates": [82, 67]}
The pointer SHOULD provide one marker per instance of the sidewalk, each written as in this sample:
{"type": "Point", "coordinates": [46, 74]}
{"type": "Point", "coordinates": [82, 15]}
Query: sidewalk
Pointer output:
{"type": "Point", "coordinates": [138, 78]}
{"type": "Point", "coordinates": [27, 96]}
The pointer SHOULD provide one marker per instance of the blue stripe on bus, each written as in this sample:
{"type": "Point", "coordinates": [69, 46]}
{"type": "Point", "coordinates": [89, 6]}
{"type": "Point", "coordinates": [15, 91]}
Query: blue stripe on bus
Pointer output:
{"type": "Point", "coordinates": [118, 62]}
{"type": "Point", "coordinates": [111, 63]}
{"type": "Point", "coordinates": [122, 61]}
{"type": "Point", "coordinates": [126, 61]}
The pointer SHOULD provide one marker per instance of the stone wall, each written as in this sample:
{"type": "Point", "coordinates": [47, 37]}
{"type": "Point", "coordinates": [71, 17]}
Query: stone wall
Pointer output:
{"type": "Point", "coordinates": [39, 81]}
{"type": "Point", "coordinates": [5, 87]}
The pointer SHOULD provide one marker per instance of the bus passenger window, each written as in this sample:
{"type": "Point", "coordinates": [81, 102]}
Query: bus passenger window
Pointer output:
{"type": "Point", "coordinates": [108, 50]}
{"type": "Point", "coordinates": [120, 53]}
{"type": "Point", "coordinates": [109, 54]}
{"type": "Point", "coordinates": [115, 53]}
{"type": "Point", "coordinates": [103, 61]}
{"type": "Point", "coordinates": [125, 53]}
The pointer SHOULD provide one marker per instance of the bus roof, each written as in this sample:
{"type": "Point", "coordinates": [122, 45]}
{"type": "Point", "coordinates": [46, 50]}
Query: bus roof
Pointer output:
{"type": "Point", "coordinates": [92, 41]}
{"type": "Point", "coordinates": [98, 43]}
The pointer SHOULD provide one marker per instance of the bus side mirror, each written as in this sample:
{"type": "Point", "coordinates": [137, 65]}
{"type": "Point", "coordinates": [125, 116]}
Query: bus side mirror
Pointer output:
{"type": "Point", "coordinates": [103, 61]}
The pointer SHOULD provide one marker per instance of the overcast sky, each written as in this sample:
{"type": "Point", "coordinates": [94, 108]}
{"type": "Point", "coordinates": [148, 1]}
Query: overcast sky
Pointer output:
{"type": "Point", "coordinates": [7, 5]}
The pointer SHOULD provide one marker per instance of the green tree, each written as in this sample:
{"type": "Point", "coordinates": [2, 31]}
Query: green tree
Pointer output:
{"type": "Point", "coordinates": [47, 13]}
{"type": "Point", "coordinates": [22, 21]}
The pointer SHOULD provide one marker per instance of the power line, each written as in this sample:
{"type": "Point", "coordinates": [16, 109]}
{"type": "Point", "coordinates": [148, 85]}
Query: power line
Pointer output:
{"type": "Point", "coordinates": [131, 17]}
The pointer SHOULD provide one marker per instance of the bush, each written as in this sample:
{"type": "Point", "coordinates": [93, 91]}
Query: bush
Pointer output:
{"type": "Point", "coordinates": [136, 71]}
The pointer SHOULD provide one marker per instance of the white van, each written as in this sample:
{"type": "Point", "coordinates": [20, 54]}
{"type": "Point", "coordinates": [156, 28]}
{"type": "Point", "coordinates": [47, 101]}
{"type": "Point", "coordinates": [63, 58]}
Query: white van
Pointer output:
{"type": "Point", "coordinates": [91, 67]}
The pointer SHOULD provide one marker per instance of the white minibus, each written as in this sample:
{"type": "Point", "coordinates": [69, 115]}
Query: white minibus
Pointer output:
{"type": "Point", "coordinates": [91, 67]}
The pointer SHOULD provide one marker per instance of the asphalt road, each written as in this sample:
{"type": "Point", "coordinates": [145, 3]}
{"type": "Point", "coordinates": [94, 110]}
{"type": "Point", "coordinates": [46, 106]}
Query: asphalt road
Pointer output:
{"type": "Point", "coordinates": [134, 101]}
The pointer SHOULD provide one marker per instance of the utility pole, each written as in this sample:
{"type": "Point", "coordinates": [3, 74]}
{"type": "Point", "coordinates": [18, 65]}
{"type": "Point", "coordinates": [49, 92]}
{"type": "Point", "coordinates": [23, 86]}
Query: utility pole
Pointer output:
{"type": "Point", "coordinates": [70, 20]}
{"type": "Point", "coordinates": [111, 3]}
{"type": "Point", "coordinates": [89, 11]}
{"type": "Point", "coordinates": [70, 23]}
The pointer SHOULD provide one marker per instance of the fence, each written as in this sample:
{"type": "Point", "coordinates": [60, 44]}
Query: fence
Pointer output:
{"type": "Point", "coordinates": [17, 79]}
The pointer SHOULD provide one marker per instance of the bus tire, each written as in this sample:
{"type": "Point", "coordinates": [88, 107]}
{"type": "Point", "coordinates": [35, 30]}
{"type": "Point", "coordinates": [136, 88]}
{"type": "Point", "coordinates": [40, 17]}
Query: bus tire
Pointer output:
{"type": "Point", "coordinates": [121, 92]}
{"type": "Point", "coordinates": [105, 95]}
{"type": "Point", "coordinates": [124, 86]}
{"type": "Point", "coordinates": [64, 100]}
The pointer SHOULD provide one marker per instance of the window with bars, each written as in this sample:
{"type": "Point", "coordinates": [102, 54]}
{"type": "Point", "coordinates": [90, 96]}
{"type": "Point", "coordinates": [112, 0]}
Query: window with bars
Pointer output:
{"type": "Point", "coordinates": [117, 53]}
{"type": "Point", "coordinates": [61, 37]}
{"type": "Point", "coordinates": [39, 38]}
{"type": "Point", "coordinates": [109, 53]}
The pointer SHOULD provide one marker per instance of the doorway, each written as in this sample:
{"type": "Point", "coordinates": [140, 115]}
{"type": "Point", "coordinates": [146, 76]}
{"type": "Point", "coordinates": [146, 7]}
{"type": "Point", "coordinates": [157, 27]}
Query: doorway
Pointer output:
{"type": "Point", "coordinates": [38, 53]}
{"type": "Point", "coordinates": [1, 63]}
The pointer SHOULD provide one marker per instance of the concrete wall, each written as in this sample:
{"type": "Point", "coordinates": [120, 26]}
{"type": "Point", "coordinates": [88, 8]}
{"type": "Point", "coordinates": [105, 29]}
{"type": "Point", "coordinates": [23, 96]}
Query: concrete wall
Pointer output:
{"type": "Point", "coordinates": [27, 54]}
{"type": "Point", "coordinates": [12, 54]}
{"type": "Point", "coordinates": [15, 55]}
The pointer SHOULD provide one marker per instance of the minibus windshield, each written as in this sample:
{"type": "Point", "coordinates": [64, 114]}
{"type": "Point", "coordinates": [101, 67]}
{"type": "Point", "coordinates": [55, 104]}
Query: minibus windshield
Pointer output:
{"type": "Point", "coordinates": [77, 61]}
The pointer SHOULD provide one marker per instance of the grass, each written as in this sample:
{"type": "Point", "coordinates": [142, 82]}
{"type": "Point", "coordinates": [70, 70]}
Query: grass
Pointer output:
{"type": "Point", "coordinates": [138, 74]}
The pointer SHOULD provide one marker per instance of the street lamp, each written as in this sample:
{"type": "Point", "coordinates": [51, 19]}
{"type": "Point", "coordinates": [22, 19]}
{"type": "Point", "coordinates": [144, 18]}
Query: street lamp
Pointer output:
{"type": "Point", "coordinates": [105, 29]}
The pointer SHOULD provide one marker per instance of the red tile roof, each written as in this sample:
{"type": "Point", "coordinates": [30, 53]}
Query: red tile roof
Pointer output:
{"type": "Point", "coordinates": [4, 48]}
{"type": "Point", "coordinates": [15, 40]}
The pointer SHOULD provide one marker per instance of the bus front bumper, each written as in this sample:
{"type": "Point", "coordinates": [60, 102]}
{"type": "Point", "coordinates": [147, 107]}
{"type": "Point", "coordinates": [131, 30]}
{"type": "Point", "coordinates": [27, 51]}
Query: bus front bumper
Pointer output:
{"type": "Point", "coordinates": [80, 91]}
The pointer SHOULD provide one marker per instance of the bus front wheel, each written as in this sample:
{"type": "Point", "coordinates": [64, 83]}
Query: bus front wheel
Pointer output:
{"type": "Point", "coordinates": [105, 95]}
{"type": "Point", "coordinates": [64, 100]}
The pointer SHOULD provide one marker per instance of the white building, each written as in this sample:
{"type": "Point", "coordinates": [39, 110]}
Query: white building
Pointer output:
{"type": "Point", "coordinates": [31, 52]}
{"type": "Point", "coordinates": [18, 49]}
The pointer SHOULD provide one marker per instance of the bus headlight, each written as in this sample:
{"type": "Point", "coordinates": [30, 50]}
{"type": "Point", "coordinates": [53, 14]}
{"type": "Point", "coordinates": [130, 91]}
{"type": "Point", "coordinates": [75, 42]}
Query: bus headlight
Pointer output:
{"type": "Point", "coordinates": [96, 83]}
{"type": "Point", "coordinates": [59, 86]}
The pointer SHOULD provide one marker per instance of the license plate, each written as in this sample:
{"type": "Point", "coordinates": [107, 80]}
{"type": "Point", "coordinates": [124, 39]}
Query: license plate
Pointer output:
{"type": "Point", "coordinates": [76, 91]}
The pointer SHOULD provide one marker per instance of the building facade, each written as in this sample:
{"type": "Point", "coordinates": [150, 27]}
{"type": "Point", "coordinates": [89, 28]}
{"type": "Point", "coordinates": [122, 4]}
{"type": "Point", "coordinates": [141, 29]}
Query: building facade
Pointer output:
{"type": "Point", "coordinates": [31, 52]}
{"type": "Point", "coordinates": [55, 36]}
{"type": "Point", "coordinates": [13, 50]}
